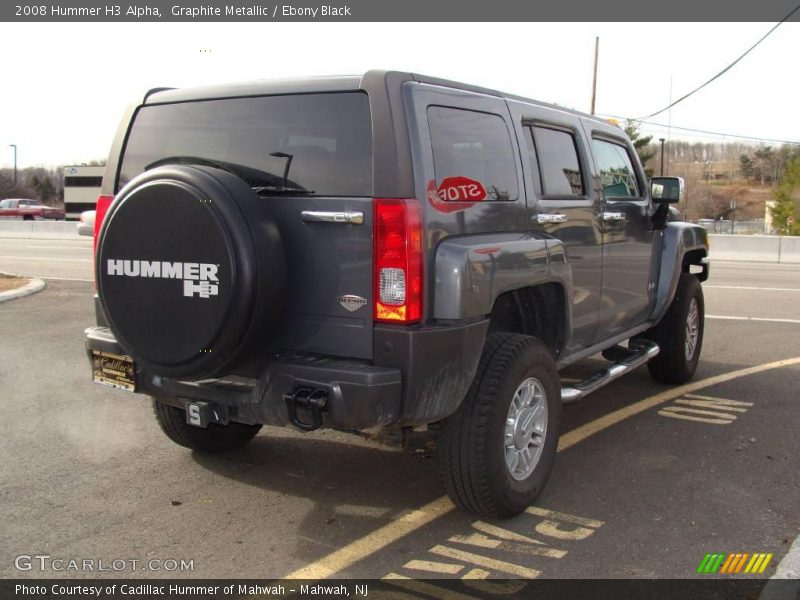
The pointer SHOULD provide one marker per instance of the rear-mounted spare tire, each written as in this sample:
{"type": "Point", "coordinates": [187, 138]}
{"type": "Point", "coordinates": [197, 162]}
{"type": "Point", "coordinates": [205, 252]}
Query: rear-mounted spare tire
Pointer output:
{"type": "Point", "coordinates": [190, 271]}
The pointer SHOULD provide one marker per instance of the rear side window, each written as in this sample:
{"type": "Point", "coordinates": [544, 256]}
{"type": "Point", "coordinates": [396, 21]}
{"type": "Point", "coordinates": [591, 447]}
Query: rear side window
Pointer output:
{"type": "Point", "coordinates": [321, 143]}
{"type": "Point", "coordinates": [616, 169]}
{"type": "Point", "coordinates": [476, 146]}
{"type": "Point", "coordinates": [559, 165]}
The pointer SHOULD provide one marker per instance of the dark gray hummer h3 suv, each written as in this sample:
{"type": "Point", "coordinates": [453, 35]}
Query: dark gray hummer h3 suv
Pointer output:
{"type": "Point", "coordinates": [386, 251]}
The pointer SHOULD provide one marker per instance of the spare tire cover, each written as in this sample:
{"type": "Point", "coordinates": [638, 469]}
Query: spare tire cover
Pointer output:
{"type": "Point", "coordinates": [178, 270]}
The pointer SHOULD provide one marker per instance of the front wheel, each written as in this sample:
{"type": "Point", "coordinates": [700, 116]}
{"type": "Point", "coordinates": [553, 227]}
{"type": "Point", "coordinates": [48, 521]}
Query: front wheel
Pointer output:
{"type": "Point", "coordinates": [497, 450]}
{"type": "Point", "coordinates": [679, 334]}
{"type": "Point", "coordinates": [212, 440]}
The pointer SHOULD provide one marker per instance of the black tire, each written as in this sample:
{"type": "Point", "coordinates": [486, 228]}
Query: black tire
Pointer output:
{"type": "Point", "coordinates": [215, 439]}
{"type": "Point", "coordinates": [672, 365]}
{"type": "Point", "coordinates": [472, 454]}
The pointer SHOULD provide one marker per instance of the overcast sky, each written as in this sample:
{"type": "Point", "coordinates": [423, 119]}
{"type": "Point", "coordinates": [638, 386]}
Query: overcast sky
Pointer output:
{"type": "Point", "coordinates": [65, 85]}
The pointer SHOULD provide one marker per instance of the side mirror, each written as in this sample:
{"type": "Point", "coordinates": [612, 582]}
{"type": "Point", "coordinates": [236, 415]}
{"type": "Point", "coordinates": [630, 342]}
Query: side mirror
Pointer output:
{"type": "Point", "coordinates": [666, 190]}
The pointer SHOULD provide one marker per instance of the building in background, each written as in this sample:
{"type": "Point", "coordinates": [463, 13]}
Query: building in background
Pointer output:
{"type": "Point", "coordinates": [81, 188]}
{"type": "Point", "coordinates": [769, 228]}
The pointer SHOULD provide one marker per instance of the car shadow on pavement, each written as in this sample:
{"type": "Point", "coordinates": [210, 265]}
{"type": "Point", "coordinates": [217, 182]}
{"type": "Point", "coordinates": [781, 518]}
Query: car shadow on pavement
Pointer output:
{"type": "Point", "coordinates": [353, 486]}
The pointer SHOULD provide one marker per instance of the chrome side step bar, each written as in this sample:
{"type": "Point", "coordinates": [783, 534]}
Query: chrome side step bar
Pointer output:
{"type": "Point", "coordinates": [637, 354]}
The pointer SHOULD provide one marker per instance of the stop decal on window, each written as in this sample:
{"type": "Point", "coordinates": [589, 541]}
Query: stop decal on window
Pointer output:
{"type": "Point", "coordinates": [455, 189]}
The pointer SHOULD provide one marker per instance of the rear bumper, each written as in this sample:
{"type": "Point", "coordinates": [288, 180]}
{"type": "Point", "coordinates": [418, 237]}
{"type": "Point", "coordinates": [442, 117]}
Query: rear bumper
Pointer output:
{"type": "Point", "coordinates": [419, 376]}
{"type": "Point", "coordinates": [359, 395]}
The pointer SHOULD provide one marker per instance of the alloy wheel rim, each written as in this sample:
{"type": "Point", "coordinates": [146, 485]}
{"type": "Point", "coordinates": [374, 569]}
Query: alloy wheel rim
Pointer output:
{"type": "Point", "coordinates": [692, 329]}
{"type": "Point", "coordinates": [526, 428]}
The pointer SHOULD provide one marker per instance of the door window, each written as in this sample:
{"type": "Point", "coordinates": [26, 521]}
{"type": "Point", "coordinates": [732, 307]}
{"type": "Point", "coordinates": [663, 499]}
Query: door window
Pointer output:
{"type": "Point", "coordinates": [616, 169]}
{"type": "Point", "coordinates": [559, 166]}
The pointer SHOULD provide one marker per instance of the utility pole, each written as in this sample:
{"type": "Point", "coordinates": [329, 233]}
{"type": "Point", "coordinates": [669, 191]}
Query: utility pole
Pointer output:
{"type": "Point", "coordinates": [669, 120]}
{"type": "Point", "coordinates": [708, 181]}
{"type": "Point", "coordinates": [662, 155]}
{"type": "Point", "coordinates": [14, 146]}
{"type": "Point", "coordinates": [594, 77]}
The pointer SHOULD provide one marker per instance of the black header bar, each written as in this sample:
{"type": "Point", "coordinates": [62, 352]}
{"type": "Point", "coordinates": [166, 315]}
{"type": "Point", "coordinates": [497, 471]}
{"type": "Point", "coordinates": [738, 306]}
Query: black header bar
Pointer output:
{"type": "Point", "coordinates": [490, 11]}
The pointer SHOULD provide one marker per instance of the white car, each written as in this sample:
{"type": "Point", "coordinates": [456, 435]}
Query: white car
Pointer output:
{"type": "Point", "coordinates": [86, 223]}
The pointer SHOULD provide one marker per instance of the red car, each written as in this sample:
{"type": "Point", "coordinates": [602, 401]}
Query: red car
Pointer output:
{"type": "Point", "coordinates": [27, 210]}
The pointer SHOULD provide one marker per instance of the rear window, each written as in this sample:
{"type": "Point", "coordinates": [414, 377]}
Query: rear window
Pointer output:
{"type": "Point", "coordinates": [473, 145]}
{"type": "Point", "coordinates": [321, 143]}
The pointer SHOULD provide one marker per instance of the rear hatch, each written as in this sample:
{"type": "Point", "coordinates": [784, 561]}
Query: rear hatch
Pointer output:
{"type": "Point", "coordinates": [312, 154]}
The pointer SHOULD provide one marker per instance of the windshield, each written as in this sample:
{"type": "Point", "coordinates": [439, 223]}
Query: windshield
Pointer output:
{"type": "Point", "coordinates": [312, 143]}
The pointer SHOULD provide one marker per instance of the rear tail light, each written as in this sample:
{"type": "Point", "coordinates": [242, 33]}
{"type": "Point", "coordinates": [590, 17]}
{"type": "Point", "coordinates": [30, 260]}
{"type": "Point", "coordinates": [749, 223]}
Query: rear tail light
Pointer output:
{"type": "Point", "coordinates": [103, 202]}
{"type": "Point", "coordinates": [398, 261]}
{"type": "Point", "coordinates": [100, 210]}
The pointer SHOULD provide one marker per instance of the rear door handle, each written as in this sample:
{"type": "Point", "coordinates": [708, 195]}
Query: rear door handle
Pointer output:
{"type": "Point", "coordinates": [613, 216]}
{"type": "Point", "coordinates": [322, 216]}
{"type": "Point", "coordinates": [544, 218]}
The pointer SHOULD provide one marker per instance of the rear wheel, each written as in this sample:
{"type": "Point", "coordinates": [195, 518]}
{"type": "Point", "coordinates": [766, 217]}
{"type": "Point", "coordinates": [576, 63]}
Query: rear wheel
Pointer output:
{"type": "Point", "coordinates": [679, 334]}
{"type": "Point", "coordinates": [213, 440]}
{"type": "Point", "coordinates": [497, 450]}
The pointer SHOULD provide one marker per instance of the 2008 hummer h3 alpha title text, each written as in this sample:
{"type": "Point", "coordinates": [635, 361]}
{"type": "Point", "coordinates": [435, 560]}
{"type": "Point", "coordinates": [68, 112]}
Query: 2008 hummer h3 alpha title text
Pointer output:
{"type": "Point", "coordinates": [386, 251]}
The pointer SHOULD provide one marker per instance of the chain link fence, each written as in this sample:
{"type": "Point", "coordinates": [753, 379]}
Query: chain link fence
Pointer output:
{"type": "Point", "coordinates": [749, 227]}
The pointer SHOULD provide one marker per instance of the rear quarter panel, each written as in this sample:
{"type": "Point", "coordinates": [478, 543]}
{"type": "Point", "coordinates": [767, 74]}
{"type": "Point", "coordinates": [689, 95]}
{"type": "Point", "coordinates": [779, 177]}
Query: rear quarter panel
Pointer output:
{"type": "Point", "coordinates": [464, 225]}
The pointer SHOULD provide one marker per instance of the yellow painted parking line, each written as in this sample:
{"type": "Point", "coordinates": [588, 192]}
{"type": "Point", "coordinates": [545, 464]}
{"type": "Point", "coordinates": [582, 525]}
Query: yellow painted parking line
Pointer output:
{"type": "Point", "coordinates": [372, 542]}
{"type": "Point", "coordinates": [731, 405]}
{"type": "Point", "coordinates": [485, 561]}
{"type": "Point", "coordinates": [434, 567]}
{"type": "Point", "coordinates": [715, 399]}
{"type": "Point", "coordinates": [675, 413]}
{"type": "Point", "coordinates": [581, 433]}
{"type": "Point", "coordinates": [552, 514]}
{"type": "Point", "coordinates": [390, 533]}
{"type": "Point", "coordinates": [504, 534]}
{"type": "Point", "coordinates": [696, 411]}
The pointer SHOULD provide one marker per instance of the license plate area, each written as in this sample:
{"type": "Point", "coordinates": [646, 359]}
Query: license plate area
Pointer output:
{"type": "Point", "coordinates": [115, 370]}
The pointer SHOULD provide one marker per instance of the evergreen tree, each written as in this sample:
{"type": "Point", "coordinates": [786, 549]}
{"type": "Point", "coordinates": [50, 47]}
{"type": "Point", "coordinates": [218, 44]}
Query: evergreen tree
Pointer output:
{"type": "Point", "coordinates": [641, 145]}
{"type": "Point", "coordinates": [43, 186]}
{"type": "Point", "coordinates": [786, 210]}
{"type": "Point", "coordinates": [746, 166]}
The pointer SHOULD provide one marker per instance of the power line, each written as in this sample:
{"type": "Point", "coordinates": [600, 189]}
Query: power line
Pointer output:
{"type": "Point", "coordinates": [731, 135]}
{"type": "Point", "coordinates": [726, 69]}
{"type": "Point", "coordinates": [704, 131]}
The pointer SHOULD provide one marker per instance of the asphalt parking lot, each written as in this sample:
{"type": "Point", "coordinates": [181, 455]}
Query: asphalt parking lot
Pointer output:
{"type": "Point", "coordinates": [649, 478]}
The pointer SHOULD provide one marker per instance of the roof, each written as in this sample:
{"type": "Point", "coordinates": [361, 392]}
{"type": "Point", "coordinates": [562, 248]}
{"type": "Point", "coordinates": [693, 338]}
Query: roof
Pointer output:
{"type": "Point", "coordinates": [369, 82]}
{"type": "Point", "coordinates": [261, 87]}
